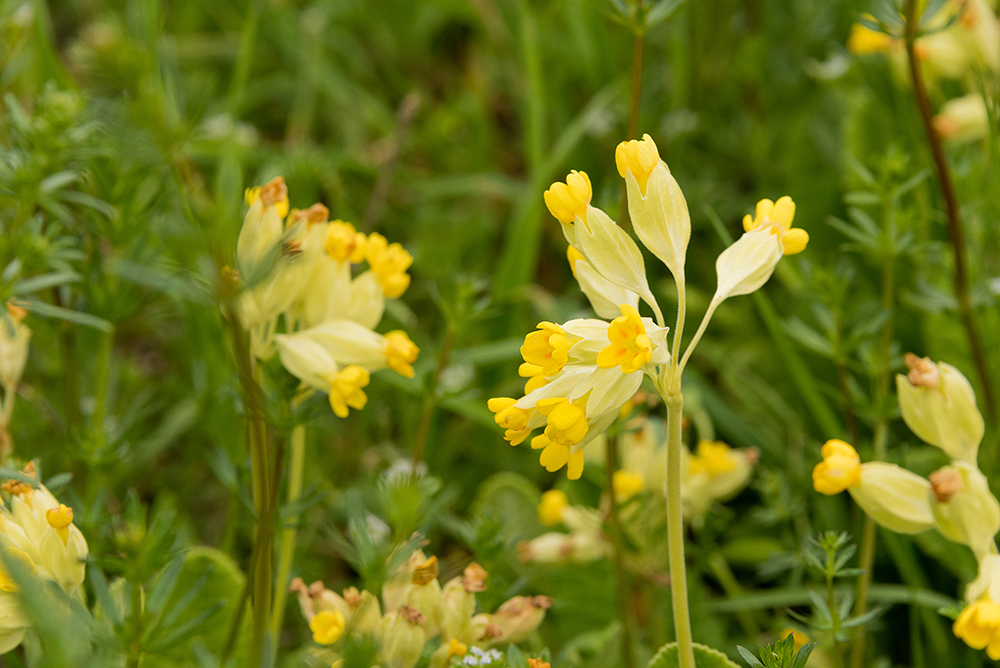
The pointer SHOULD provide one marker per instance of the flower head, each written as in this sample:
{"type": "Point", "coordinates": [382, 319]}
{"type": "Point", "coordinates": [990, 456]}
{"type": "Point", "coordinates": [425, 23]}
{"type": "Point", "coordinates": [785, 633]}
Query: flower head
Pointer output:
{"type": "Point", "coordinates": [777, 217]}
{"type": "Point", "coordinates": [630, 347]}
{"type": "Point", "coordinates": [344, 243]}
{"type": "Point", "coordinates": [327, 627]}
{"type": "Point", "coordinates": [345, 389]}
{"type": "Point", "coordinates": [547, 348]}
{"type": "Point", "coordinates": [389, 262]}
{"type": "Point", "coordinates": [979, 626]}
{"type": "Point", "coordinates": [638, 158]}
{"type": "Point", "coordinates": [400, 353]}
{"type": "Point", "coordinates": [568, 201]}
{"type": "Point", "coordinates": [839, 470]}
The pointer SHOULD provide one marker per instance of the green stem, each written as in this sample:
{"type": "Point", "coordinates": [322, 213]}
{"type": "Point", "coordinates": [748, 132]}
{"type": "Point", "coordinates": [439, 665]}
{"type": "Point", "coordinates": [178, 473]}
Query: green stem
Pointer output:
{"type": "Point", "coordinates": [681, 314]}
{"type": "Point", "coordinates": [697, 335]}
{"type": "Point", "coordinates": [831, 601]}
{"type": "Point", "coordinates": [675, 531]}
{"type": "Point", "coordinates": [286, 552]}
{"type": "Point", "coordinates": [614, 520]}
{"type": "Point", "coordinates": [262, 582]}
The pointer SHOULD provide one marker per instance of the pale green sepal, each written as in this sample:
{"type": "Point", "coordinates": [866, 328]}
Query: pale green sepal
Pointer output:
{"type": "Point", "coordinates": [895, 498]}
{"type": "Point", "coordinates": [612, 252]}
{"type": "Point", "coordinates": [945, 417]}
{"type": "Point", "coordinates": [661, 219]}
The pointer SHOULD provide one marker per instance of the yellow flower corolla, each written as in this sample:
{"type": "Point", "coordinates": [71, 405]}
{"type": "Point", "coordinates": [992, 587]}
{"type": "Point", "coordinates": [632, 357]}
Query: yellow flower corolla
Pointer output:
{"type": "Point", "coordinates": [511, 418]}
{"type": "Point", "coordinates": [638, 157]}
{"type": "Point", "coordinates": [979, 626]}
{"type": "Point", "coordinates": [456, 648]}
{"type": "Point", "coordinates": [864, 41]}
{"type": "Point", "coordinates": [274, 193]}
{"type": "Point", "coordinates": [566, 201]}
{"type": "Point", "coordinates": [345, 389]}
{"type": "Point", "coordinates": [389, 262]}
{"type": "Point", "coordinates": [400, 353]}
{"type": "Point", "coordinates": [59, 519]}
{"type": "Point", "coordinates": [344, 243]}
{"type": "Point", "coordinates": [327, 626]}
{"type": "Point", "coordinates": [713, 458]}
{"type": "Point", "coordinates": [839, 470]}
{"type": "Point", "coordinates": [565, 427]}
{"type": "Point", "coordinates": [627, 484]}
{"type": "Point", "coordinates": [630, 347]}
{"type": "Point", "coordinates": [535, 375]}
{"type": "Point", "coordinates": [551, 506]}
{"type": "Point", "coordinates": [548, 348]}
{"type": "Point", "coordinates": [778, 217]}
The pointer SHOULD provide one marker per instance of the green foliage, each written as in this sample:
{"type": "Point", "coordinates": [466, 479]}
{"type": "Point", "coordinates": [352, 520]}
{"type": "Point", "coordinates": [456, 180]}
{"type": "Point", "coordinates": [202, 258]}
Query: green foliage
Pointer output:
{"type": "Point", "coordinates": [781, 655]}
{"type": "Point", "coordinates": [704, 657]}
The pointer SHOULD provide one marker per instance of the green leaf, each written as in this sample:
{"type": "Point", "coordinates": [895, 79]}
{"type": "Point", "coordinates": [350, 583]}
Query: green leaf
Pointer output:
{"type": "Point", "coordinates": [47, 310]}
{"type": "Point", "coordinates": [749, 657]}
{"type": "Point", "coordinates": [704, 657]}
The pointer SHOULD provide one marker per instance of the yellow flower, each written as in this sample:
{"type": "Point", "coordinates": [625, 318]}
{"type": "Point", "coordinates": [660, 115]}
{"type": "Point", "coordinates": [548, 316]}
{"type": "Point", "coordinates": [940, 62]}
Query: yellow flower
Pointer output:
{"type": "Point", "coordinates": [864, 41]}
{"type": "Point", "coordinates": [456, 648]}
{"type": "Point", "coordinates": [535, 375]}
{"type": "Point", "coordinates": [548, 348]}
{"type": "Point", "coordinates": [630, 347]}
{"type": "Point", "coordinates": [327, 626]}
{"type": "Point", "coordinates": [565, 427]}
{"type": "Point", "coordinates": [59, 519]}
{"type": "Point", "coordinates": [345, 389]}
{"type": "Point", "coordinates": [713, 458]}
{"type": "Point", "coordinates": [638, 157]}
{"type": "Point", "coordinates": [839, 470]}
{"type": "Point", "coordinates": [979, 626]}
{"type": "Point", "coordinates": [511, 418]}
{"type": "Point", "coordinates": [400, 353]}
{"type": "Point", "coordinates": [389, 262]}
{"type": "Point", "coordinates": [798, 637]}
{"type": "Point", "coordinates": [566, 201]}
{"type": "Point", "coordinates": [551, 507]}
{"type": "Point", "coordinates": [627, 484]}
{"type": "Point", "coordinates": [344, 243]}
{"type": "Point", "coordinates": [778, 216]}
{"type": "Point", "coordinates": [22, 558]}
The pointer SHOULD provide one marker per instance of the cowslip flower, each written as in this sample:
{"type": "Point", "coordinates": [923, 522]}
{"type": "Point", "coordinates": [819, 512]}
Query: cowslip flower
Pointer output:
{"type": "Point", "coordinates": [714, 472]}
{"type": "Point", "coordinates": [965, 510]}
{"type": "Point", "coordinates": [939, 406]}
{"type": "Point", "coordinates": [978, 625]}
{"type": "Point", "coordinates": [318, 308]}
{"type": "Point", "coordinates": [892, 496]}
{"type": "Point", "coordinates": [38, 532]}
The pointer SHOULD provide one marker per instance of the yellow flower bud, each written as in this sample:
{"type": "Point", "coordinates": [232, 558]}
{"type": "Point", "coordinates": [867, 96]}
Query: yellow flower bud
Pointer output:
{"type": "Point", "coordinates": [639, 158]}
{"type": "Point", "coordinates": [551, 507]}
{"type": "Point", "coordinates": [401, 638]}
{"type": "Point", "coordinates": [511, 418]}
{"type": "Point", "coordinates": [777, 217]}
{"type": "Point", "coordinates": [839, 470]}
{"type": "Point", "coordinates": [262, 226]}
{"type": "Point", "coordinates": [400, 353]}
{"type": "Point", "coordinates": [327, 627]}
{"type": "Point", "coordinates": [345, 390]}
{"type": "Point", "coordinates": [979, 626]}
{"type": "Point", "coordinates": [548, 348]}
{"type": "Point", "coordinates": [344, 243]}
{"type": "Point", "coordinates": [566, 201]}
{"type": "Point", "coordinates": [389, 262]}
{"type": "Point", "coordinates": [864, 41]}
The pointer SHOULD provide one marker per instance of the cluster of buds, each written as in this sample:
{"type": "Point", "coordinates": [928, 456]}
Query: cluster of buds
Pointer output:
{"type": "Point", "coordinates": [302, 270]}
{"type": "Point", "coordinates": [962, 42]}
{"type": "Point", "coordinates": [939, 406]}
{"type": "Point", "coordinates": [582, 372]}
{"type": "Point", "coordinates": [418, 609]}
{"type": "Point", "coordinates": [14, 339]}
{"type": "Point", "coordinates": [36, 533]}
{"type": "Point", "coordinates": [714, 473]}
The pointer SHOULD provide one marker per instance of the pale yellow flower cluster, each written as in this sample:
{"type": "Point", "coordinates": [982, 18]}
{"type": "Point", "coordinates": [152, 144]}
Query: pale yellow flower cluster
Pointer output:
{"type": "Point", "coordinates": [304, 272]}
{"type": "Point", "coordinates": [38, 534]}
{"type": "Point", "coordinates": [714, 472]}
{"type": "Point", "coordinates": [939, 405]}
{"type": "Point", "coordinates": [962, 44]}
{"type": "Point", "coordinates": [580, 373]}
{"type": "Point", "coordinates": [418, 609]}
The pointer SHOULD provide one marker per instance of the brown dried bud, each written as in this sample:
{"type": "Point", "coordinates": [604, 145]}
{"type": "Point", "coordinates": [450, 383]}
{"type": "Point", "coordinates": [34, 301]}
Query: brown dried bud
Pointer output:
{"type": "Point", "coordinates": [426, 572]}
{"type": "Point", "coordinates": [412, 615]}
{"type": "Point", "coordinates": [16, 312]}
{"type": "Point", "coordinates": [317, 213]}
{"type": "Point", "coordinates": [492, 631]}
{"type": "Point", "coordinates": [542, 602]}
{"type": "Point", "coordinates": [474, 578]}
{"type": "Point", "coordinates": [923, 372]}
{"type": "Point", "coordinates": [352, 596]}
{"type": "Point", "coordinates": [945, 484]}
{"type": "Point", "coordinates": [275, 191]}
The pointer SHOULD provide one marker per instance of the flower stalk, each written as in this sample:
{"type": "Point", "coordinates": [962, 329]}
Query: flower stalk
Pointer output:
{"type": "Point", "coordinates": [614, 519]}
{"type": "Point", "coordinates": [286, 550]}
{"type": "Point", "coordinates": [675, 531]}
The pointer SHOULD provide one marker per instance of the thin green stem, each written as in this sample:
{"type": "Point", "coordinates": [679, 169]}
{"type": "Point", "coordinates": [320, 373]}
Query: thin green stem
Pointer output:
{"type": "Point", "coordinates": [262, 583]}
{"type": "Point", "coordinates": [621, 581]}
{"type": "Point", "coordinates": [635, 98]}
{"type": "Point", "coordinates": [681, 314]}
{"type": "Point", "coordinates": [286, 550]}
{"type": "Point", "coordinates": [430, 402]}
{"type": "Point", "coordinates": [675, 531]}
{"type": "Point", "coordinates": [697, 335]}
{"type": "Point", "coordinates": [831, 601]}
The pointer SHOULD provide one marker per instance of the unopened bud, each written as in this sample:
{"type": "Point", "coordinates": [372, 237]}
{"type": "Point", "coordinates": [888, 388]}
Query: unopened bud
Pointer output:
{"type": "Point", "coordinates": [971, 514]}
